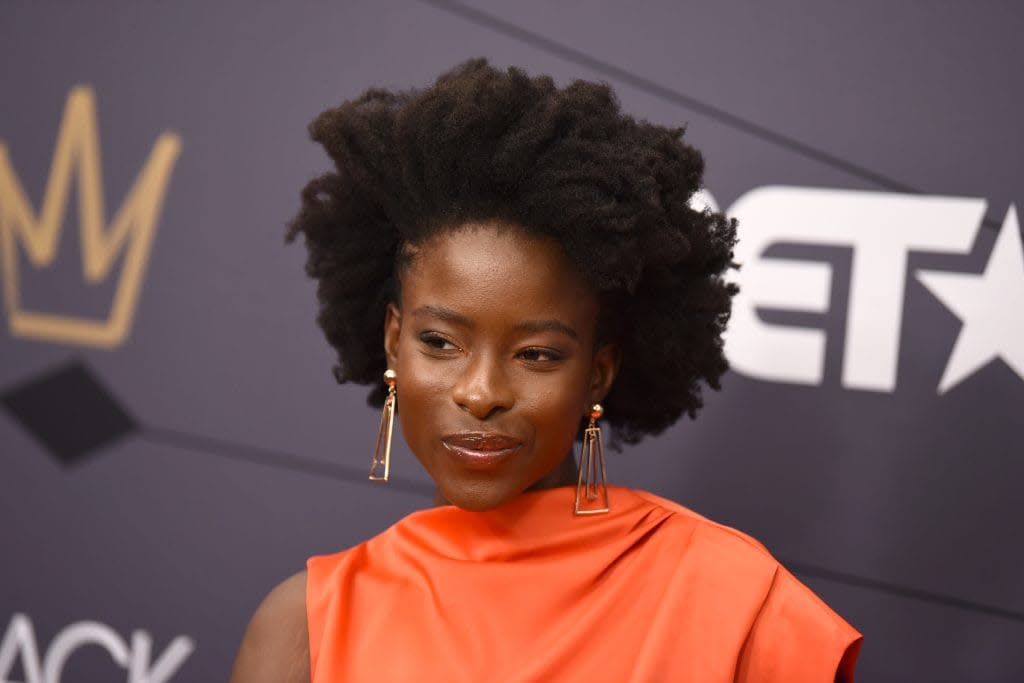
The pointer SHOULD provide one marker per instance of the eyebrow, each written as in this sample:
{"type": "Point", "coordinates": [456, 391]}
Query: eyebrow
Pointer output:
{"type": "Point", "coordinates": [547, 326]}
{"type": "Point", "coordinates": [448, 315]}
{"type": "Point", "coordinates": [442, 313]}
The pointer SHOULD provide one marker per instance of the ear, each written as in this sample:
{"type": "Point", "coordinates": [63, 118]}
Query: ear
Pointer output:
{"type": "Point", "coordinates": [392, 333]}
{"type": "Point", "coordinates": [605, 368]}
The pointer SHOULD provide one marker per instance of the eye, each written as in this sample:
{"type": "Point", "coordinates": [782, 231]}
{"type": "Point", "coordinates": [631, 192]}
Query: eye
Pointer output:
{"type": "Point", "coordinates": [536, 354]}
{"type": "Point", "coordinates": [436, 342]}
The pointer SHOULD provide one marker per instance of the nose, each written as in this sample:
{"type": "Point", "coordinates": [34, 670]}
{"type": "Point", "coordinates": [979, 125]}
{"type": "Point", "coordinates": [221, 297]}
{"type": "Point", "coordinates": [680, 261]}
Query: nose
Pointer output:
{"type": "Point", "coordinates": [482, 388]}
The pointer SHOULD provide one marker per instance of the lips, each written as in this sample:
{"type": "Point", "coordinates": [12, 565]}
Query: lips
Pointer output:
{"type": "Point", "coordinates": [481, 450]}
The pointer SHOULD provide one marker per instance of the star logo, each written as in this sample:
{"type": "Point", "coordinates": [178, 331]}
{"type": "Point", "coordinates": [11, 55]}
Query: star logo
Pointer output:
{"type": "Point", "coordinates": [990, 306]}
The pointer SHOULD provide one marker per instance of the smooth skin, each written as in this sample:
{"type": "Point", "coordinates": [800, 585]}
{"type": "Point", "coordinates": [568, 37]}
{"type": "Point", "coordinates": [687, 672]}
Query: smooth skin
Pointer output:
{"type": "Point", "coordinates": [494, 334]}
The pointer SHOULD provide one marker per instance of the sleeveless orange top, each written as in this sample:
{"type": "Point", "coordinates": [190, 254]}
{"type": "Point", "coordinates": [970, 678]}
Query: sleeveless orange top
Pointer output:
{"type": "Point", "coordinates": [530, 592]}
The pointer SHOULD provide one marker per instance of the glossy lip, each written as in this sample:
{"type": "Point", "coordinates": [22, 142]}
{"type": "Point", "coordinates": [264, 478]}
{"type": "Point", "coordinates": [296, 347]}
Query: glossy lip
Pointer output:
{"type": "Point", "coordinates": [481, 450]}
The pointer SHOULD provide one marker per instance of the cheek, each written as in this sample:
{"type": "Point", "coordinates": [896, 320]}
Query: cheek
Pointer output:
{"type": "Point", "coordinates": [420, 395]}
{"type": "Point", "coordinates": [557, 410]}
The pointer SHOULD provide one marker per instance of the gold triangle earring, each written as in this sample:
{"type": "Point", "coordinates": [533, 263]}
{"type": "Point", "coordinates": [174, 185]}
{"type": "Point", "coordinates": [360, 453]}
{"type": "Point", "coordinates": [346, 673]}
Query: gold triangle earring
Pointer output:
{"type": "Point", "coordinates": [592, 484]}
{"type": "Point", "coordinates": [380, 468]}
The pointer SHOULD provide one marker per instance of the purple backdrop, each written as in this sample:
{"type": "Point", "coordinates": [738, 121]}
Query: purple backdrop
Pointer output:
{"type": "Point", "coordinates": [162, 468]}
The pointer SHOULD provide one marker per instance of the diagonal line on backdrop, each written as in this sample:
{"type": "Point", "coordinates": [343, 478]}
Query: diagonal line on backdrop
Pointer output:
{"type": "Point", "coordinates": [901, 591]}
{"type": "Point", "coordinates": [264, 456]}
{"type": "Point", "coordinates": [571, 54]}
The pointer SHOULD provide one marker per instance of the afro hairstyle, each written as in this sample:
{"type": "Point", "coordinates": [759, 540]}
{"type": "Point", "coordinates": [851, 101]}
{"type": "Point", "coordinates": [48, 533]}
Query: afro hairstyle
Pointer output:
{"type": "Point", "coordinates": [483, 144]}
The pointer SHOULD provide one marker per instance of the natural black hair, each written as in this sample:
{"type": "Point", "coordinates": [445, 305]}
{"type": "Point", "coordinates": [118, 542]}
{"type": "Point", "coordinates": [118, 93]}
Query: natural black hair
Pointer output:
{"type": "Point", "coordinates": [483, 144]}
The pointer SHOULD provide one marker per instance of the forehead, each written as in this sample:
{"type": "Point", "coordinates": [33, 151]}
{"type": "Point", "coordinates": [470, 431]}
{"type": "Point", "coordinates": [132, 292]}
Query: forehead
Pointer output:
{"type": "Point", "coordinates": [497, 271]}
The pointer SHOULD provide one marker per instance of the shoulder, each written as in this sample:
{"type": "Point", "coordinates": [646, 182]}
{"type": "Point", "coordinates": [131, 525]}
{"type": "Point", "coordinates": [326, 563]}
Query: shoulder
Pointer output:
{"type": "Point", "coordinates": [798, 637]}
{"type": "Point", "coordinates": [730, 571]}
{"type": "Point", "coordinates": [275, 646]}
{"type": "Point", "coordinates": [791, 633]}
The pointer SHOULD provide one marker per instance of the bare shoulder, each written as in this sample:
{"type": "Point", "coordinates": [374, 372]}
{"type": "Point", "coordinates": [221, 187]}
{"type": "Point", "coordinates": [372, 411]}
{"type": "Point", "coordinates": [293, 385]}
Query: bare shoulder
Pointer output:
{"type": "Point", "coordinates": [275, 646]}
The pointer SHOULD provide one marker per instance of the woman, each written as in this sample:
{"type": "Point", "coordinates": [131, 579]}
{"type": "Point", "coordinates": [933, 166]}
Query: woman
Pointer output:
{"type": "Point", "coordinates": [535, 266]}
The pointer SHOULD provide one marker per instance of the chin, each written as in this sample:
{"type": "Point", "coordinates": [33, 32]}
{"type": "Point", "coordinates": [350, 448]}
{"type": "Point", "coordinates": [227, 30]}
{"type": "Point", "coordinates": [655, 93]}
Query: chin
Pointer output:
{"type": "Point", "coordinates": [478, 496]}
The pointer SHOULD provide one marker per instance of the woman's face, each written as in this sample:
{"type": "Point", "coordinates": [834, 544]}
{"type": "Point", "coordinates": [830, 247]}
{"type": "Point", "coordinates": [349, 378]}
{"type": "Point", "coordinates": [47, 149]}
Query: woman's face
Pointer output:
{"type": "Point", "coordinates": [493, 346]}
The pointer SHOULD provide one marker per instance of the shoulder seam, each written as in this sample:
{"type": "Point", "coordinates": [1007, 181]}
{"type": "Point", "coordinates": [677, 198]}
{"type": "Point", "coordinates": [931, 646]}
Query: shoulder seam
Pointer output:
{"type": "Point", "coordinates": [673, 508]}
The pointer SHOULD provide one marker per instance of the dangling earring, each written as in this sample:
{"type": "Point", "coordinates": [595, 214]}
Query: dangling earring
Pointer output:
{"type": "Point", "coordinates": [380, 468]}
{"type": "Point", "coordinates": [592, 483]}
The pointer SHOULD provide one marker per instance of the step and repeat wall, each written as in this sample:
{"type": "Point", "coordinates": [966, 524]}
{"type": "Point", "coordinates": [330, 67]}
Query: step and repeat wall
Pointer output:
{"type": "Point", "coordinates": [172, 443]}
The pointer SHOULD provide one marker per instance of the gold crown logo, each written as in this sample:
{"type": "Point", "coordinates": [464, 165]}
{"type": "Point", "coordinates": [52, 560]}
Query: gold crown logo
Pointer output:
{"type": "Point", "coordinates": [132, 230]}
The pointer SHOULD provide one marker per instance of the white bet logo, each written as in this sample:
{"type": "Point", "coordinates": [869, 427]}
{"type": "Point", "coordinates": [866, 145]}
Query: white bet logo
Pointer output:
{"type": "Point", "coordinates": [881, 229]}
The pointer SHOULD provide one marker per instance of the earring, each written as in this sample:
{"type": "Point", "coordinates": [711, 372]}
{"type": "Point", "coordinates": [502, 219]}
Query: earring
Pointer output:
{"type": "Point", "coordinates": [380, 468]}
{"type": "Point", "coordinates": [592, 484]}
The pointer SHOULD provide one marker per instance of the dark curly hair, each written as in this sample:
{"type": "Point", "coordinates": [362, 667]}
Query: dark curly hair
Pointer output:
{"type": "Point", "coordinates": [488, 145]}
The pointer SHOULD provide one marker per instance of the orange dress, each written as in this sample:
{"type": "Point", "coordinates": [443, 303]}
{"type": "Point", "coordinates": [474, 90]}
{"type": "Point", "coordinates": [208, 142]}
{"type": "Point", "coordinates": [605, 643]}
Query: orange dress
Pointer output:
{"type": "Point", "coordinates": [530, 592]}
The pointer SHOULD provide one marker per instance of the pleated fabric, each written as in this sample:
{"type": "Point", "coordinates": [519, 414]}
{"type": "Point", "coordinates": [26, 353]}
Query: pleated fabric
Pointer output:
{"type": "Point", "coordinates": [530, 592]}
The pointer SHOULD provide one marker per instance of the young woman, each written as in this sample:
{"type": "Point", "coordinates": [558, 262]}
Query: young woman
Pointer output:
{"type": "Point", "coordinates": [524, 261]}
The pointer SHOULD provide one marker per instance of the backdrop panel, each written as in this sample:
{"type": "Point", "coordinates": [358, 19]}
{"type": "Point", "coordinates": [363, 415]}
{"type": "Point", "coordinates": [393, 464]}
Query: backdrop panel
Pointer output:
{"type": "Point", "coordinates": [171, 440]}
